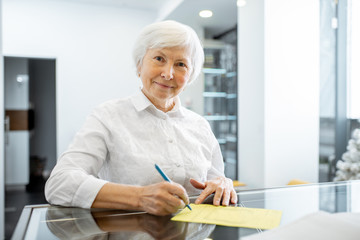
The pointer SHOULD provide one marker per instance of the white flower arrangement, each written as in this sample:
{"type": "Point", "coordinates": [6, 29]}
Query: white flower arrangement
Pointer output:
{"type": "Point", "coordinates": [348, 168]}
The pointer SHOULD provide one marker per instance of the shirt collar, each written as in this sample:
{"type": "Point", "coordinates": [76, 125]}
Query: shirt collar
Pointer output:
{"type": "Point", "coordinates": [141, 102]}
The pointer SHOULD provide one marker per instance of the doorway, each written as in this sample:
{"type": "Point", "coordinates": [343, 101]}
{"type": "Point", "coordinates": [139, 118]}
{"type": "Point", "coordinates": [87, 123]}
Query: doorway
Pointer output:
{"type": "Point", "coordinates": [30, 132]}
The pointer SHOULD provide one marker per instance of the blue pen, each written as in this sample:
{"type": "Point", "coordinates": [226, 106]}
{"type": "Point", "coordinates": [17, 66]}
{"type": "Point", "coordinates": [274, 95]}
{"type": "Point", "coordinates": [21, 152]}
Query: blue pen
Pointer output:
{"type": "Point", "coordinates": [167, 179]}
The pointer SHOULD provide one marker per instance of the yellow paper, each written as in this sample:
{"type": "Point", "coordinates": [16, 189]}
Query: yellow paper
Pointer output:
{"type": "Point", "coordinates": [230, 216]}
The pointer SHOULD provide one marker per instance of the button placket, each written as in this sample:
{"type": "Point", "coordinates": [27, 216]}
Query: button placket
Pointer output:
{"type": "Point", "coordinates": [174, 151]}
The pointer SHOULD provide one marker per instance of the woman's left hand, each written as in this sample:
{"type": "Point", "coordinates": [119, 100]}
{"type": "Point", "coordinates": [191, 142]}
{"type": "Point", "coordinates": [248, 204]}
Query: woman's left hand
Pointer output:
{"type": "Point", "coordinates": [221, 186]}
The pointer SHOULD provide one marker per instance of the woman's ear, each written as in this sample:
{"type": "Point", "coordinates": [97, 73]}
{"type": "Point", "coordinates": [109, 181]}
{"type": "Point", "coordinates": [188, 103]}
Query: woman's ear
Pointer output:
{"type": "Point", "coordinates": [138, 71]}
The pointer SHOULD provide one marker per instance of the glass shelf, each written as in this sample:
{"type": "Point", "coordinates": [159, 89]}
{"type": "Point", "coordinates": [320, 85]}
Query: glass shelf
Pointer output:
{"type": "Point", "coordinates": [231, 160]}
{"type": "Point", "coordinates": [231, 95]}
{"type": "Point", "coordinates": [231, 74]}
{"type": "Point", "coordinates": [214, 70]}
{"type": "Point", "coordinates": [221, 140]}
{"type": "Point", "coordinates": [220, 94]}
{"type": "Point", "coordinates": [231, 139]}
{"type": "Point", "coordinates": [219, 71]}
{"type": "Point", "coordinates": [215, 94]}
{"type": "Point", "coordinates": [219, 118]}
{"type": "Point", "coordinates": [227, 140]}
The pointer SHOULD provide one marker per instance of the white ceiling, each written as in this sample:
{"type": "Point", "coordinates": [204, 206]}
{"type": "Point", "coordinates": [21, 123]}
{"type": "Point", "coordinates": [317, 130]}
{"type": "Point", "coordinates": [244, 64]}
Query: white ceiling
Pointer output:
{"type": "Point", "coordinates": [224, 11]}
{"type": "Point", "coordinates": [224, 14]}
{"type": "Point", "coordinates": [150, 5]}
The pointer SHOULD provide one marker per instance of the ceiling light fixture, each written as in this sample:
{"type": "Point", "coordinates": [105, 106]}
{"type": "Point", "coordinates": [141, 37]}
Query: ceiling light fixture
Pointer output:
{"type": "Point", "coordinates": [241, 3]}
{"type": "Point", "coordinates": [205, 13]}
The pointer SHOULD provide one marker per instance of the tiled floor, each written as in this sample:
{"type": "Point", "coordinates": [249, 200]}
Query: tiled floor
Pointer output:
{"type": "Point", "coordinates": [15, 200]}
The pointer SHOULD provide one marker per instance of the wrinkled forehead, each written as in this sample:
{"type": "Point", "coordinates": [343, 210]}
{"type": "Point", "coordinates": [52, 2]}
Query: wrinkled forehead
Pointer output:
{"type": "Point", "coordinates": [179, 51]}
{"type": "Point", "coordinates": [173, 44]}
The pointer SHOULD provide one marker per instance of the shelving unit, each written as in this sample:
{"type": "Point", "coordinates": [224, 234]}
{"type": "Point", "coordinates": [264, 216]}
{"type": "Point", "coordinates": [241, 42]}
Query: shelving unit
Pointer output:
{"type": "Point", "coordinates": [220, 101]}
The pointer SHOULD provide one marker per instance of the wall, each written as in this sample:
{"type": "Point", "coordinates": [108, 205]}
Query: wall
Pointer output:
{"type": "Point", "coordinates": [92, 47]}
{"type": "Point", "coordinates": [278, 91]}
{"type": "Point", "coordinates": [251, 93]}
{"type": "Point", "coordinates": [2, 178]}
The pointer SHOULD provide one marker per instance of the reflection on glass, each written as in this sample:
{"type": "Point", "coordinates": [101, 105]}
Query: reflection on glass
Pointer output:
{"type": "Point", "coordinates": [75, 223]}
{"type": "Point", "coordinates": [50, 222]}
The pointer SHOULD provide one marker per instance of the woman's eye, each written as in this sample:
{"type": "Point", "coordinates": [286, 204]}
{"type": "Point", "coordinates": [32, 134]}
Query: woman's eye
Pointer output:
{"type": "Point", "coordinates": [181, 64]}
{"type": "Point", "coordinates": [158, 58]}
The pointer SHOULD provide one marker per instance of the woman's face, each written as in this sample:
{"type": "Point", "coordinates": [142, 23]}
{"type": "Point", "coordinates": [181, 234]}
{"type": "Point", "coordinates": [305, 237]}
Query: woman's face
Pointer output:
{"type": "Point", "coordinates": [164, 73]}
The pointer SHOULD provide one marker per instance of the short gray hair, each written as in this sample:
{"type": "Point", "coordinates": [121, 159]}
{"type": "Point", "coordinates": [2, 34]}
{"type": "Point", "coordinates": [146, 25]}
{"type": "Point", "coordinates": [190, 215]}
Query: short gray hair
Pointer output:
{"type": "Point", "coordinates": [170, 34]}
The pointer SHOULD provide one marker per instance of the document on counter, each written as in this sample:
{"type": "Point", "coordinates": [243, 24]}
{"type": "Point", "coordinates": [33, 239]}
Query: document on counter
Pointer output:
{"type": "Point", "coordinates": [230, 216]}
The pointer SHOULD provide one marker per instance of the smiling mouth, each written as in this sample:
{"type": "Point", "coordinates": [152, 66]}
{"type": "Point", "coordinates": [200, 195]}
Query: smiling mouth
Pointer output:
{"type": "Point", "coordinates": [162, 85]}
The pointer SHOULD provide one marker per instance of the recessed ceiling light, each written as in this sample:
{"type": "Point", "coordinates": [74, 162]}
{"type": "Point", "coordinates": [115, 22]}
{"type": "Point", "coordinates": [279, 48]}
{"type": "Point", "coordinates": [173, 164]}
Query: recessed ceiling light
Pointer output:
{"type": "Point", "coordinates": [241, 3]}
{"type": "Point", "coordinates": [205, 13]}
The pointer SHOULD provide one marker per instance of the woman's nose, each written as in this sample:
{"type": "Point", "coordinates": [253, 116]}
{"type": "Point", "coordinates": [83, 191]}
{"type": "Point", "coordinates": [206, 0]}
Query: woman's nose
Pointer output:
{"type": "Point", "coordinates": [167, 72]}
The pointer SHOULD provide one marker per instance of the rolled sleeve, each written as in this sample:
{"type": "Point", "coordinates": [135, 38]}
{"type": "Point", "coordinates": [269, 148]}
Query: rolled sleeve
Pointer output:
{"type": "Point", "coordinates": [87, 192]}
{"type": "Point", "coordinates": [73, 181]}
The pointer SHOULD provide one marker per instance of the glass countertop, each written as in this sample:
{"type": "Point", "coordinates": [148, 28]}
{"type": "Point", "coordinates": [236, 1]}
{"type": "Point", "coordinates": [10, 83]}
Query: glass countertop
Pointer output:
{"type": "Point", "coordinates": [54, 222]}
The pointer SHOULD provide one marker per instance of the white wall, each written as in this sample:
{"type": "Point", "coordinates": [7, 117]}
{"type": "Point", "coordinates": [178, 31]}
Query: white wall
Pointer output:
{"type": "Point", "coordinates": [92, 46]}
{"type": "Point", "coordinates": [2, 178]}
{"type": "Point", "coordinates": [278, 91]}
{"type": "Point", "coordinates": [251, 74]}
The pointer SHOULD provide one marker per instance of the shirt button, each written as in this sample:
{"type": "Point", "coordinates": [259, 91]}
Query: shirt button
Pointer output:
{"type": "Point", "coordinates": [171, 141]}
{"type": "Point", "coordinates": [178, 164]}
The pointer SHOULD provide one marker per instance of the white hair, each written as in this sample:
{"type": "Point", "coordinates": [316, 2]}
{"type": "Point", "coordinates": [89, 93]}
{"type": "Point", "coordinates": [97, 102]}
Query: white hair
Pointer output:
{"type": "Point", "coordinates": [168, 34]}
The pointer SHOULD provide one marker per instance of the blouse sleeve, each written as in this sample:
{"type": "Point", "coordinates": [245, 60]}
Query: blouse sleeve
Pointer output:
{"type": "Point", "coordinates": [74, 181]}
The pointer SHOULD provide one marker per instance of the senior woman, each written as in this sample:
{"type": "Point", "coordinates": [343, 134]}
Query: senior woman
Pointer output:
{"type": "Point", "coordinates": [110, 163]}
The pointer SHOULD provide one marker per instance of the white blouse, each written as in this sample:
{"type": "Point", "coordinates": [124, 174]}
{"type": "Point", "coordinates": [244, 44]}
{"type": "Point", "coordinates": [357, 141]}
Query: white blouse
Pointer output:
{"type": "Point", "coordinates": [122, 140]}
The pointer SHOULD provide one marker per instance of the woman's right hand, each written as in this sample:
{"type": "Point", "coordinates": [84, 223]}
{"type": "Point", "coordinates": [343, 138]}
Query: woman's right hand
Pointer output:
{"type": "Point", "coordinates": [163, 198]}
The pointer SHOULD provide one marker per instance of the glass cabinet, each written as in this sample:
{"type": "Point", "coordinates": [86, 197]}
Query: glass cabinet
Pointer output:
{"type": "Point", "coordinates": [220, 100]}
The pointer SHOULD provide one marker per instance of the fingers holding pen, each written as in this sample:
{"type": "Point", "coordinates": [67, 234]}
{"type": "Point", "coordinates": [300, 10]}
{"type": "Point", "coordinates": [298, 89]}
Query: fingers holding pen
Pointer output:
{"type": "Point", "coordinates": [183, 194]}
{"type": "Point", "coordinates": [179, 191]}
{"type": "Point", "coordinates": [163, 198]}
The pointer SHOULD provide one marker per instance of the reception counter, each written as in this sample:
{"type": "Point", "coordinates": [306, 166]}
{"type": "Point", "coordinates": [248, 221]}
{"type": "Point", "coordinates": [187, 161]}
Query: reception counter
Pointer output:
{"type": "Point", "coordinates": [55, 222]}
